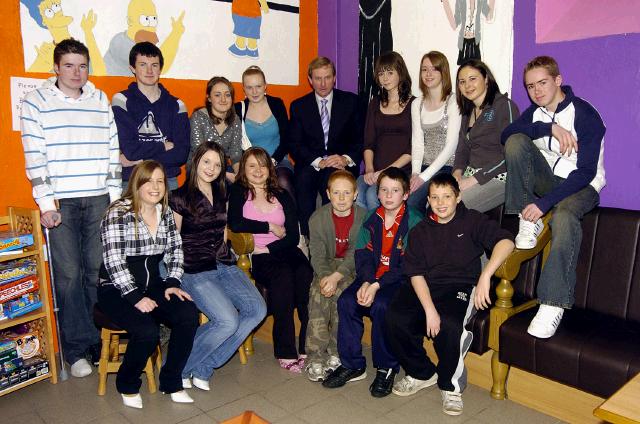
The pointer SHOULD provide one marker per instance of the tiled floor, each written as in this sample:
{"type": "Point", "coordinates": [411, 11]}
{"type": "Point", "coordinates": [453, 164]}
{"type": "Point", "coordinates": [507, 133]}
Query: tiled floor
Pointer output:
{"type": "Point", "coordinates": [276, 395]}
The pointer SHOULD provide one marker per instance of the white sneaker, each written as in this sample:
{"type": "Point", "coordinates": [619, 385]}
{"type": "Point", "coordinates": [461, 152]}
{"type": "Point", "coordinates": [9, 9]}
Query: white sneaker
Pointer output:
{"type": "Point", "coordinates": [201, 384]}
{"type": "Point", "coordinates": [132, 401]}
{"type": "Point", "coordinates": [409, 386]}
{"type": "Point", "coordinates": [451, 402]}
{"type": "Point", "coordinates": [181, 397]}
{"type": "Point", "coordinates": [315, 371]}
{"type": "Point", "coordinates": [81, 368]}
{"type": "Point", "coordinates": [332, 364]}
{"type": "Point", "coordinates": [186, 383]}
{"type": "Point", "coordinates": [546, 321]}
{"type": "Point", "coordinates": [528, 233]}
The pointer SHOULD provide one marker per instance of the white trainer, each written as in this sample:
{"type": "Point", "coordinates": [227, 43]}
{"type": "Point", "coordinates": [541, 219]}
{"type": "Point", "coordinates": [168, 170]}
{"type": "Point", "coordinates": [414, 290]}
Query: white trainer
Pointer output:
{"type": "Point", "coordinates": [201, 384]}
{"type": "Point", "coordinates": [528, 233]}
{"type": "Point", "coordinates": [132, 401]}
{"type": "Point", "coordinates": [315, 371]}
{"type": "Point", "coordinates": [181, 397]}
{"type": "Point", "coordinates": [546, 321]}
{"type": "Point", "coordinates": [332, 364]}
{"type": "Point", "coordinates": [186, 383]}
{"type": "Point", "coordinates": [451, 402]}
{"type": "Point", "coordinates": [81, 368]}
{"type": "Point", "coordinates": [409, 386]}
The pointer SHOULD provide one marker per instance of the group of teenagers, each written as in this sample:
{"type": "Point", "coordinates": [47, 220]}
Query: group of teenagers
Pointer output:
{"type": "Point", "coordinates": [402, 239]}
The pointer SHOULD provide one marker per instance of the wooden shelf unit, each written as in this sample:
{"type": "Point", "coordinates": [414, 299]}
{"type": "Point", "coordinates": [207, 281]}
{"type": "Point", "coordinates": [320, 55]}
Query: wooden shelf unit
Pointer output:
{"type": "Point", "coordinates": [28, 221]}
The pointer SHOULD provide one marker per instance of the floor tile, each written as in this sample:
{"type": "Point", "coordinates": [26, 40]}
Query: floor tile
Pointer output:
{"type": "Point", "coordinates": [337, 409]}
{"type": "Point", "coordinates": [297, 393]}
{"type": "Point", "coordinates": [500, 412]}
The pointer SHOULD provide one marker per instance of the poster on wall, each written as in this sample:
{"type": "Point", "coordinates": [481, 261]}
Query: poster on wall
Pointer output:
{"type": "Point", "coordinates": [198, 38]}
{"type": "Point", "coordinates": [20, 86]}
{"type": "Point", "coordinates": [580, 19]}
{"type": "Point", "coordinates": [460, 29]}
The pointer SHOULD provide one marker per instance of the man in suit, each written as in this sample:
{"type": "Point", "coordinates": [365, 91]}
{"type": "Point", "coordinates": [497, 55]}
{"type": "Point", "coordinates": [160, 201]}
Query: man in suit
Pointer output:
{"type": "Point", "coordinates": [325, 135]}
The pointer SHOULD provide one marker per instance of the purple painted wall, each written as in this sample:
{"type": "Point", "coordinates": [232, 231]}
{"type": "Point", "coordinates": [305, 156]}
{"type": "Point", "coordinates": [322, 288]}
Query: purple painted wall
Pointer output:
{"type": "Point", "coordinates": [604, 70]}
{"type": "Point", "coordinates": [338, 39]}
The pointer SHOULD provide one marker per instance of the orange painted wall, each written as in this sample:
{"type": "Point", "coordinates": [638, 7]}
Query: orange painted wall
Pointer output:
{"type": "Point", "coordinates": [14, 186]}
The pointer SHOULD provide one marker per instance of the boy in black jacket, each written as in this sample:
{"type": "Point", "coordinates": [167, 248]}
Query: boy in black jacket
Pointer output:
{"type": "Point", "coordinates": [447, 287]}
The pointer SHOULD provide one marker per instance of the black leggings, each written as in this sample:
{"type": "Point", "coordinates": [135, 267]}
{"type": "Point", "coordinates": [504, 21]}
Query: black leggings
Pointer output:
{"type": "Point", "coordinates": [288, 282]}
{"type": "Point", "coordinates": [143, 329]}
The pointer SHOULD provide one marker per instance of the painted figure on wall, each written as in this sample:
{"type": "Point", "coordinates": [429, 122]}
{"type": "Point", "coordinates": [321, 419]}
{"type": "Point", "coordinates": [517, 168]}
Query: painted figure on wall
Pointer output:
{"type": "Point", "coordinates": [466, 16]}
{"type": "Point", "coordinates": [375, 38]}
{"type": "Point", "coordinates": [48, 14]}
{"type": "Point", "coordinates": [247, 20]}
{"type": "Point", "coordinates": [142, 20]}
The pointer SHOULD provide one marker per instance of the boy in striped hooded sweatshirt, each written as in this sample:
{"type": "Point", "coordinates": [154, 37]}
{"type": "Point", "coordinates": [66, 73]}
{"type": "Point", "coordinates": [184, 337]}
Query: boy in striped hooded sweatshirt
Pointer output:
{"type": "Point", "coordinates": [71, 157]}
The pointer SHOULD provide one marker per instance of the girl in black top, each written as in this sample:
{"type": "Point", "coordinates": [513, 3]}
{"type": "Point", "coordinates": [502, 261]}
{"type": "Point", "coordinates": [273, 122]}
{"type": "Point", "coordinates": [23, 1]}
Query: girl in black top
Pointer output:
{"type": "Point", "coordinates": [221, 290]}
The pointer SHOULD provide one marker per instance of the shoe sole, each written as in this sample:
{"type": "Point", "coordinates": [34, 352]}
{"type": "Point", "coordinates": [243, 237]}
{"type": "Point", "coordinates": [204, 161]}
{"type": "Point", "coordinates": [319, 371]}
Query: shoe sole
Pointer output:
{"type": "Point", "coordinates": [315, 379]}
{"type": "Point", "coordinates": [452, 413]}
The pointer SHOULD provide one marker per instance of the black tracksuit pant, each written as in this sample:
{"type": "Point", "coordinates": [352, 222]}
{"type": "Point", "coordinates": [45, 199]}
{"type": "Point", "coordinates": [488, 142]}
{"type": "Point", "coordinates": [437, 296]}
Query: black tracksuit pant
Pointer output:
{"type": "Point", "coordinates": [406, 328]}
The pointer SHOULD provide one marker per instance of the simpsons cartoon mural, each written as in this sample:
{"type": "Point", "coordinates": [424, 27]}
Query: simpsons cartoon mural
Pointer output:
{"type": "Point", "coordinates": [48, 14]}
{"type": "Point", "coordinates": [247, 20]}
{"type": "Point", "coordinates": [213, 37]}
{"type": "Point", "coordinates": [142, 19]}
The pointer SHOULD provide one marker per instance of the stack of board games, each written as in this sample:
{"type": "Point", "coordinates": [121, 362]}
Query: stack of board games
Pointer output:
{"type": "Point", "coordinates": [18, 288]}
{"type": "Point", "coordinates": [21, 355]}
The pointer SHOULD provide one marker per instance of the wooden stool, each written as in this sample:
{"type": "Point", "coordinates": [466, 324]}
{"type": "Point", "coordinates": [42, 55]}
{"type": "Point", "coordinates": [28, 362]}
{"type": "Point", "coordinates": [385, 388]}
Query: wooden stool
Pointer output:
{"type": "Point", "coordinates": [111, 349]}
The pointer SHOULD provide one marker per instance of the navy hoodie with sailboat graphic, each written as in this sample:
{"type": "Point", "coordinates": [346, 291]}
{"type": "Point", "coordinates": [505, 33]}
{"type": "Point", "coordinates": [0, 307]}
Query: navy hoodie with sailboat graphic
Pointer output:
{"type": "Point", "coordinates": [143, 127]}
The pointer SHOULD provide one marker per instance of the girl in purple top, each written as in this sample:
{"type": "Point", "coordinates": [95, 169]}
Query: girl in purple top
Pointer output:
{"type": "Point", "coordinates": [259, 206]}
{"type": "Point", "coordinates": [387, 133]}
{"type": "Point", "coordinates": [221, 290]}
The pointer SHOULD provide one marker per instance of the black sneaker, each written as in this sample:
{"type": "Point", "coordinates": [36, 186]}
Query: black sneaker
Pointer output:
{"type": "Point", "coordinates": [93, 354]}
{"type": "Point", "coordinates": [342, 376]}
{"type": "Point", "coordinates": [383, 382]}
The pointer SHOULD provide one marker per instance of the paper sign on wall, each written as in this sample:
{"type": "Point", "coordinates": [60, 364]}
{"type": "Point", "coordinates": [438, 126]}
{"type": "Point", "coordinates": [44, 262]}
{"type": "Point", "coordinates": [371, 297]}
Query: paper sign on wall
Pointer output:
{"type": "Point", "coordinates": [19, 88]}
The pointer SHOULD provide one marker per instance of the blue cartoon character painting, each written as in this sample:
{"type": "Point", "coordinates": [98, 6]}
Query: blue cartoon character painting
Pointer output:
{"type": "Point", "coordinates": [48, 14]}
{"type": "Point", "coordinates": [247, 19]}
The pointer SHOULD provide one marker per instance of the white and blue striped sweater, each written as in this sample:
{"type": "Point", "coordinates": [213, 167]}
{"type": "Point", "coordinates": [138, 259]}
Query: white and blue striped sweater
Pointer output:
{"type": "Point", "coordinates": [70, 145]}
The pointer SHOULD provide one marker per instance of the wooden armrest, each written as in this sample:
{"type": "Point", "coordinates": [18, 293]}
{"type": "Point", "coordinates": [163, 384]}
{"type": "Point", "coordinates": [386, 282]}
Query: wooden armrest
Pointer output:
{"type": "Point", "coordinates": [511, 266]}
{"type": "Point", "coordinates": [507, 272]}
{"type": "Point", "coordinates": [242, 242]}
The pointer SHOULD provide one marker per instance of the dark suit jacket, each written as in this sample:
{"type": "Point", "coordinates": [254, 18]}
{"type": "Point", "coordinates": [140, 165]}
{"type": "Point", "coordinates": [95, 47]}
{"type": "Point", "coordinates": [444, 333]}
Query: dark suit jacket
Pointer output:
{"type": "Point", "coordinates": [306, 139]}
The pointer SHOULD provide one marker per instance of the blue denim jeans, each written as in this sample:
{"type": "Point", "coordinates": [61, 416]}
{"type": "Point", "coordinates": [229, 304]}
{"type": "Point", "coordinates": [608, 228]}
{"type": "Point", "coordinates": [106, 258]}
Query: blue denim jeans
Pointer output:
{"type": "Point", "coordinates": [76, 255]}
{"type": "Point", "coordinates": [418, 199]}
{"type": "Point", "coordinates": [234, 308]}
{"type": "Point", "coordinates": [367, 194]}
{"type": "Point", "coordinates": [528, 178]}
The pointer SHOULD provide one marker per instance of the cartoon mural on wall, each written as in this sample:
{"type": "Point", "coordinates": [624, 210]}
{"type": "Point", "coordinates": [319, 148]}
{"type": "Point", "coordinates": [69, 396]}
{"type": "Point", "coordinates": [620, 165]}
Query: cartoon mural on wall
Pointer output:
{"type": "Point", "coordinates": [195, 44]}
{"type": "Point", "coordinates": [48, 14]}
{"type": "Point", "coordinates": [466, 20]}
{"type": "Point", "coordinates": [247, 20]}
{"type": "Point", "coordinates": [458, 28]}
{"type": "Point", "coordinates": [142, 20]}
{"type": "Point", "coordinates": [375, 38]}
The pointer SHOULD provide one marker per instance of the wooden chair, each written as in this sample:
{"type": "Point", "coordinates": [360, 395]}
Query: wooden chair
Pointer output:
{"type": "Point", "coordinates": [112, 347]}
{"type": "Point", "coordinates": [242, 244]}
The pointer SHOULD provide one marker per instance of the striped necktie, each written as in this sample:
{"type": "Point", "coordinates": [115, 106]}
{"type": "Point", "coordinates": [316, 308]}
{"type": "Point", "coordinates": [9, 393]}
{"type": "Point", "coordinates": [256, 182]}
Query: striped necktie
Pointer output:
{"type": "Point", "coordinates": [324, 118]}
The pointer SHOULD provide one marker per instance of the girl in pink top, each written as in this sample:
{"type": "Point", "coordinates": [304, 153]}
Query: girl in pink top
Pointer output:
{"type": "Point", "coordinates": [259, 206]}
